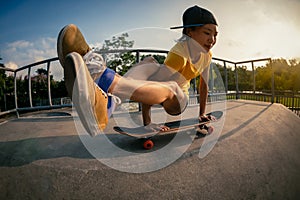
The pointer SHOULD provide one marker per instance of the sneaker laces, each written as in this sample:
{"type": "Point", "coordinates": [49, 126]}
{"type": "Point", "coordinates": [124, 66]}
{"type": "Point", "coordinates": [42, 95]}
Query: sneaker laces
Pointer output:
{"type": "Point", "coordinates": [95, 63]}
{"type": "Point", "coordinates": [116, 99]}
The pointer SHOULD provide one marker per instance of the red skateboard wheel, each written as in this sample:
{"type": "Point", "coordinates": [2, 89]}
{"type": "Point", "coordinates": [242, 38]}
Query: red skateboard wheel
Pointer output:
{"type": "Point", "coordinates": [148, 144]}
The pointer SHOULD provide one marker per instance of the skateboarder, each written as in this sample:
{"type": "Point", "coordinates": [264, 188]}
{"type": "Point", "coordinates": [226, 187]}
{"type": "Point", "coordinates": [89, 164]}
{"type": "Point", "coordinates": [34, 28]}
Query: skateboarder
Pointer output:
{"type": "Point", "coordinates": [189, 58]}
{"type": "Point", "coordinates": [92, 86]}
{"type": "Point", "coordinates": [96, 87]}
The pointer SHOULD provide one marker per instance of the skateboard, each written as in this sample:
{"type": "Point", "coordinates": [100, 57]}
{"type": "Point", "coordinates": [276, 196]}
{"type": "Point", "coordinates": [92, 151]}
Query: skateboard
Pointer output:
{"type": "Point", "coordinates": [146, 134]}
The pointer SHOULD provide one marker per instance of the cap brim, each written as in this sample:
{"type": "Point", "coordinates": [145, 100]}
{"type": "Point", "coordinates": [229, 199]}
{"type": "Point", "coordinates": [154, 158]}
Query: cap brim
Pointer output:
{"type": "Point", "coordinates": [186, 26]}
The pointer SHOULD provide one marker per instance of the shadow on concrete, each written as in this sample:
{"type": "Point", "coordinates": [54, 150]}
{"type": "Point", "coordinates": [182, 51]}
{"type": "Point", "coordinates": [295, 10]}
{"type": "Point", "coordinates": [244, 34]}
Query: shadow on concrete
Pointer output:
{"type": "Point", "coordinates": [22, 152]}
{"type": "Point", "coordinates": [243, 125]}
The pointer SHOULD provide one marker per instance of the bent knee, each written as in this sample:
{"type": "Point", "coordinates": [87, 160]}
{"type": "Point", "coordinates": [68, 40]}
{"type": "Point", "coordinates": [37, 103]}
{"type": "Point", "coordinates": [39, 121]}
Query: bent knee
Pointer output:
{"type": "Point", "coordinates": [176, 105]}
{"type": "Point", "coordinates": [176, 89]}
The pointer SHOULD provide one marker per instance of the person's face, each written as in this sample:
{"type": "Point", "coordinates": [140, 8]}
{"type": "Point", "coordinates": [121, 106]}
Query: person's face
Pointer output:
{"type": "Point", "coordinates": [205, 35]}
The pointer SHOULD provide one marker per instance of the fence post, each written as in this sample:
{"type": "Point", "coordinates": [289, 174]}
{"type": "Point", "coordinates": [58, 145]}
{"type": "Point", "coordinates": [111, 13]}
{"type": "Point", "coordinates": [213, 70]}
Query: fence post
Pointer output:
{"type": "Point", "coordinates": [137, 56]}
{"type": "Point", "coordinates": [211, 81]}
{"type": "Point", "coordinates": [4, 97]}
{"type": "Point", "coordinates": [15, 91]}
{"type": "Point", "coordinates": [236, 82]}
{"type": "Point", "coordinates": [273, 83]}
{"type": "Point", "coordinates": [293, 101]}
{"type": "Point", "coordinates": [29, 87]}
{"type": "Point", "coordinates": [226, 77]}
{"type": "Point", "coordinates": [49, 83]}
{"type": "Point", "coordinates": [253, 73]}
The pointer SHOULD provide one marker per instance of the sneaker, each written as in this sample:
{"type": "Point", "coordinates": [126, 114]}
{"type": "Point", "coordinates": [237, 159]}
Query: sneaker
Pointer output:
{"type": "Point", "coordinates": [103, 77]}
{"type": "Point", "coordinates": [70, 39]}
{"type": "Point", "coordinates": [89, 100]}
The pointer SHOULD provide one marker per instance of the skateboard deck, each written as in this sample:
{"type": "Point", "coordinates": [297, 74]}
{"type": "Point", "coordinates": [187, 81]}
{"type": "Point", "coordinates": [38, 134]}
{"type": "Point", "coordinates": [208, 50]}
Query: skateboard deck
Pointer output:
{"type": "Point", "coordinates": [175, 126]}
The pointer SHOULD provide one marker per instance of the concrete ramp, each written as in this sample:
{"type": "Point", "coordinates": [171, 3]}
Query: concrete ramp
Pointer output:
{"type": "Point", "coordinates": [256, 156]}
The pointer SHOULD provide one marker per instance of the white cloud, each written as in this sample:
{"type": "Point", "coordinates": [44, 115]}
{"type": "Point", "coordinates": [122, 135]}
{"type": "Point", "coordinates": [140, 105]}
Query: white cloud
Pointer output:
{"type": "Point", "coordinates": [22, 53]}
{"type": "Point", "coordinates": [26, 52]}
{"type": "Point", "coordinates": [21, 44]}
{"type": "Point", "coordinates": [11, 65]}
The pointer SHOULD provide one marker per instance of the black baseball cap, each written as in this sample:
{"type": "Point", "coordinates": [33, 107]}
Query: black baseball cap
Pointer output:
{"type": "Point", "coordinates": [196, 16]}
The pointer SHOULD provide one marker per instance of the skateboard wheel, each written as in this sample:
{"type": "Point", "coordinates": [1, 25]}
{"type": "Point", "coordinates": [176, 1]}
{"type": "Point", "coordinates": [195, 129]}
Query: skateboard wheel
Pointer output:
{"type": "Point", "coordinates": [210, 129]}
{"type": "Point", "coordinates": [148, 144]}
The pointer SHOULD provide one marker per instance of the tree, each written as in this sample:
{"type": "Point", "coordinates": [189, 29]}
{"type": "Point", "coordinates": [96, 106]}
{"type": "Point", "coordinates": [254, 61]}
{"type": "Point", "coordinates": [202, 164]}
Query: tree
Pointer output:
{"type": "Point", "coordinates": [263, 78]}
{"type": "Point", "coordinates": [119, 42]}
{"type": "Point", "coordinates": [245, 79]}
{"type": "Point", "coordinates": [286, 75]}
{"type": "Point", "coordinates": [295, 75]}
{"type": "Point", "coordinates": [120, 62]}
{"type": "Point", "coordinates": [159, 58]}
{"type": "Point", "coordinates": [230, 76]}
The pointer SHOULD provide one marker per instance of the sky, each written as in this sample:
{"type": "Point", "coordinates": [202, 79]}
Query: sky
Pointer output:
{"type": "Point", "coordinates": [248, 29]}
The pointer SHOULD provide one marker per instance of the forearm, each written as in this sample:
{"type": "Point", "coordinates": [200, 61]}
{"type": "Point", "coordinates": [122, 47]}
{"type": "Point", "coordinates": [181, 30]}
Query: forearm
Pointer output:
{"type": "Point", "coordinates": [146, 113]}
{"type": "Point", "coordinates": [203, 93]}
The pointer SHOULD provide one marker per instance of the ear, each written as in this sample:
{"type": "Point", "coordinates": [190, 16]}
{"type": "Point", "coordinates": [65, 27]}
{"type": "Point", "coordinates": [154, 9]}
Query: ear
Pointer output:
{"type": "Point", "coordinates": [188, 32]}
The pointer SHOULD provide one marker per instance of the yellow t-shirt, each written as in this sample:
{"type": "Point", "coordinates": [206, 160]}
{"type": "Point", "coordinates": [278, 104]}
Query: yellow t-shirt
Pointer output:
{"type": "Point", "coordinates": [180, 60]}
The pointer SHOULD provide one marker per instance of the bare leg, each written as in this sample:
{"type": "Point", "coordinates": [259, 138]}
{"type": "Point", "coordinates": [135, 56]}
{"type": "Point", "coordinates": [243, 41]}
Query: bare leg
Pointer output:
{"type": "Point", "coordinates": [168, 94]}
{"type": "Point", "coordinates": [144, 69]}
{"type": "Point", "coordinates": [149, 69]}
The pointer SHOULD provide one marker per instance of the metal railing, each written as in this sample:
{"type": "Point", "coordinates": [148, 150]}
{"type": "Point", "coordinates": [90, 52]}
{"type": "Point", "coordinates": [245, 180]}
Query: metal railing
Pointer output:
{"type": "Point", "coordinates": [270, 97]}
{"type": "Point", "coordinates": [50, 105]}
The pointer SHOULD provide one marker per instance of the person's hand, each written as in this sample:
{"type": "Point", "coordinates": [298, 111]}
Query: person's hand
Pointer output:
{"type": "Point", "coordinates": [205, 118]}
{"type": "Point", "coordinates": [157, 127]}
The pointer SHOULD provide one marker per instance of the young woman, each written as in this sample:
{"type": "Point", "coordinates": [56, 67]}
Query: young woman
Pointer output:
{"type": "Point", "coordinates": [189, 58]}
{"type": "Point", "coordinates": [93, 87]}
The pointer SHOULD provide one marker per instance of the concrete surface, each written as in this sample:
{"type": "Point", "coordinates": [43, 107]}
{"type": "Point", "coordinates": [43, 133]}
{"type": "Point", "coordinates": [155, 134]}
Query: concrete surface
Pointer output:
{"type": "Point", "coordinates": [256, 156]}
